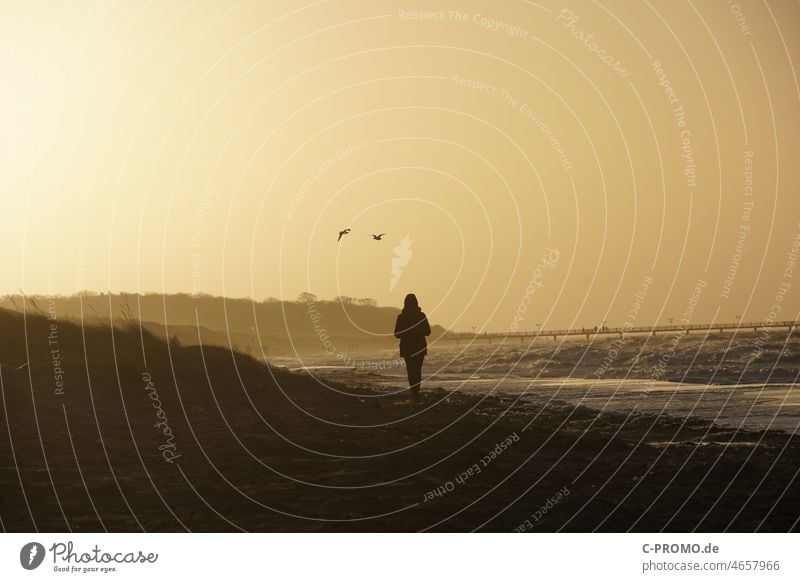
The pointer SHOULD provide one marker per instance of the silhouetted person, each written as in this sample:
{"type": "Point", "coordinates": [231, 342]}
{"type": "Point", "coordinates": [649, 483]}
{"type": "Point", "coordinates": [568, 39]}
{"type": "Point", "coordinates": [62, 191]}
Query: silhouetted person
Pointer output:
{"type": "Point", "coordinates": [411, 328]}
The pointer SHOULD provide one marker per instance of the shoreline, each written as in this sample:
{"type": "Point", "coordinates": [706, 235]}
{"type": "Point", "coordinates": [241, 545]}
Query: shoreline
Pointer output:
{"type": "Point", "coordinates": [705, 402]}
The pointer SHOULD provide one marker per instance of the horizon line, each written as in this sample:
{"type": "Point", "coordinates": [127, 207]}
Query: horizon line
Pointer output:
{"type": "Point", "coordinates": [583, 330]}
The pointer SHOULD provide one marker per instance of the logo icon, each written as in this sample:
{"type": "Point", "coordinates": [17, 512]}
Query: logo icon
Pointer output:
{"type": "Point", "coordinates": [31, 555]}
{"type": "Point", "coordinates": [402, 255]}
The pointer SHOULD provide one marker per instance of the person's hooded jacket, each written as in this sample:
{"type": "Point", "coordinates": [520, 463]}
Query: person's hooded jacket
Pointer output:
{"type": "Point", "coordinates": [411, 328]}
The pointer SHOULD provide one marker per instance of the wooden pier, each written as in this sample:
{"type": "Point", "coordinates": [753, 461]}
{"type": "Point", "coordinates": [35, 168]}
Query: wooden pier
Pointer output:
{"type": "Point", "coordinates": [614, 331]}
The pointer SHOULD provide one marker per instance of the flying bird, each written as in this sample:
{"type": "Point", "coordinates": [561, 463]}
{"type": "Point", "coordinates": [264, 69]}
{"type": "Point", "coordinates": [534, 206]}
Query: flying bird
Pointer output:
{"type": "Point", "coordinates": [342, 233]}
{"type": "Point", "coordinates": [378, 236]}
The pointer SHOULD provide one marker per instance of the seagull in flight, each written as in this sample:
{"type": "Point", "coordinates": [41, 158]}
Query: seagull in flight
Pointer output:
{"type": "Point", "coordinates": [378, 236]}
{"type": "Point", "coordinates": [342, 233]}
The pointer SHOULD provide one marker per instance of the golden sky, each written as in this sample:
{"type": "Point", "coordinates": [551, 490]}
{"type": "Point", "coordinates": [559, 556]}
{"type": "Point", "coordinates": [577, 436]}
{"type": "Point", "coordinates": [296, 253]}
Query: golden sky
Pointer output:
{"type": "Point", "coordinates": [543, 159]}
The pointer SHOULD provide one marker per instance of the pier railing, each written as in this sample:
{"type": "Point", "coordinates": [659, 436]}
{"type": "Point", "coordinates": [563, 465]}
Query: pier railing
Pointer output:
{"type": "Point", "coordinates": [618, 331]}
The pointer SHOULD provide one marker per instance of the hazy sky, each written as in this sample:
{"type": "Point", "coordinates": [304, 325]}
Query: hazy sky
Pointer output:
{"type": "Point", "coordinates": [220, 147]}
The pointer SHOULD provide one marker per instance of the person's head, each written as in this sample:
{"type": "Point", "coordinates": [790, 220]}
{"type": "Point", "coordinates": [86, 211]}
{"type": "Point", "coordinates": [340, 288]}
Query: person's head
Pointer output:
{"type": "Point", "coordinates": [410, 303]}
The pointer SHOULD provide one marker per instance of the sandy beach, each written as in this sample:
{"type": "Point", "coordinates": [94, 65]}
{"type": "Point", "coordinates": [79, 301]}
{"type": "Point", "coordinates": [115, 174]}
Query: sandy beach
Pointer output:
{"type": "Point", "coordinates": [236, 445]}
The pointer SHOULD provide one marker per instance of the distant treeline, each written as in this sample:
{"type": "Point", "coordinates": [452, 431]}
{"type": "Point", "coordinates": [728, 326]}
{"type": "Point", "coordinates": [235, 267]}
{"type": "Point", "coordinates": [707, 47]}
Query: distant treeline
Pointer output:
{"type": "Point", "coordinates": [271, 325]}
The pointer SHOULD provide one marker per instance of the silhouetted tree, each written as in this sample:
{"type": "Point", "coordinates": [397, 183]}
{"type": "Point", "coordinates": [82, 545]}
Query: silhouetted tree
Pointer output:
{"type": "Point", "coordinates": [306, 297]}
